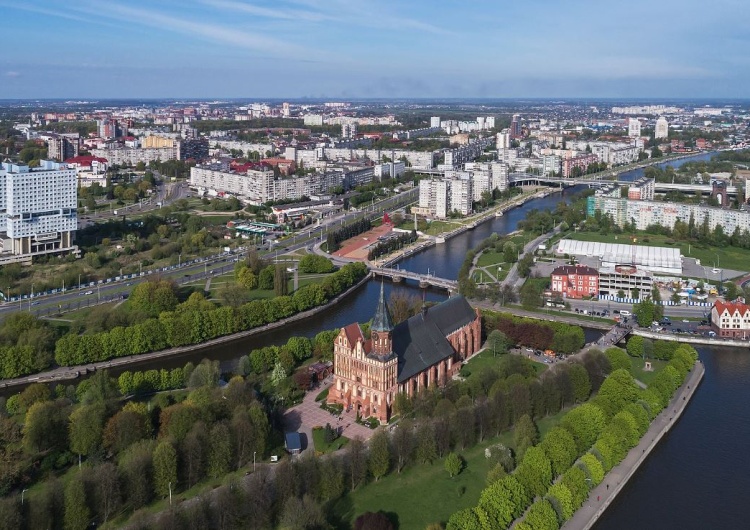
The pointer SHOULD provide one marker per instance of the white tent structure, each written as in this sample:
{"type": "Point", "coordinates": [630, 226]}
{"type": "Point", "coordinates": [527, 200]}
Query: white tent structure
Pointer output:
{"type": "Point", "coordinates": [657, 259]}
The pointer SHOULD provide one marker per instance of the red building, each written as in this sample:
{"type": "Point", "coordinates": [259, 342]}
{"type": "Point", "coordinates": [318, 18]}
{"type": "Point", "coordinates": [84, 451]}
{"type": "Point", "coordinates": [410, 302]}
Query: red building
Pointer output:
{"type": "Point", "coordinates": [581, 161]}
{"type": "Point", "coordinates": [575, 281]}
{"type": "Point", "coordinates": [731, 320]}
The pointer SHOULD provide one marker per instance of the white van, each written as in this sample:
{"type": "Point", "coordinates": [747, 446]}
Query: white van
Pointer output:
{"type": "Point", "coordinates": [624, 313]}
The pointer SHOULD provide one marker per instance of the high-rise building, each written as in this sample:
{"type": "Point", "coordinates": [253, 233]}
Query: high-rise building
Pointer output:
{"type": "Point", "coordinates": [662, 128]}
{"type": "Point", "coordinates": [285, 109]}
{"type": "Point", "coordinates": [503, 140]}
{"type": "Point", "coordinates": [634, 128]}
{"type": "Point", "coordinates": [60, 147]}
{"type": "Point", "coordinates": [435, 121]}
{"type": "Point", "coordinates": [39, 210]}
{"type": "Point", "coordinates": [515, 127]}
{"type": "Point", "coordinates": [348, 130]}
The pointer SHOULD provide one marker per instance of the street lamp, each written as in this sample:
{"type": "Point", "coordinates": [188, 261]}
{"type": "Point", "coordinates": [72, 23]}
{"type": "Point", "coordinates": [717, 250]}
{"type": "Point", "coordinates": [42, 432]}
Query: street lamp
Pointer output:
{"type": "Point", "coordinates": [22, 493]}
{"type": "Point", "coordinates": [253, 461]}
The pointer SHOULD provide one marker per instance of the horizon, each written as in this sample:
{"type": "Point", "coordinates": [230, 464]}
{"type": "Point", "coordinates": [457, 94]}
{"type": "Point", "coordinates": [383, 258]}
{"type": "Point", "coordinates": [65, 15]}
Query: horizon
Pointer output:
{"type": "Point", "coordinates": [352, 50]}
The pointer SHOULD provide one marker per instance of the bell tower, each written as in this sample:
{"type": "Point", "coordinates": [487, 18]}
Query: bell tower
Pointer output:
{"type": "Point", "coordinates": [382, 328]}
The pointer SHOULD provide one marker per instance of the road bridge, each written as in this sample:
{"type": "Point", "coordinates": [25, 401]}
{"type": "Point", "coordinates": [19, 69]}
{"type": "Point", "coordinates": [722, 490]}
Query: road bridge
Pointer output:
{"type": "Point", "coordinates": [424, 280]}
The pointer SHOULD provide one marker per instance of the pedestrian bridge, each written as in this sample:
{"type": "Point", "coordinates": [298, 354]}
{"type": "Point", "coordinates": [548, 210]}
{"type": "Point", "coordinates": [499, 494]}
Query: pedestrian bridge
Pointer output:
{"type": "Point", "coordinates": [398, 275]}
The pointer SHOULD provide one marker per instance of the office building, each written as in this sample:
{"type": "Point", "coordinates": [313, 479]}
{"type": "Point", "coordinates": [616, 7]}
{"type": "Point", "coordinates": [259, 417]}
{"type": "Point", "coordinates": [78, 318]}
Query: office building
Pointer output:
{"type": "Point", "coordinates": [515, 127]}
{"type": "Point", "coordinates": [435, 121]}
{"type": "Point", "coordinates": [661, 130]}
{"type": "Point", "coordinates": [38, 208]}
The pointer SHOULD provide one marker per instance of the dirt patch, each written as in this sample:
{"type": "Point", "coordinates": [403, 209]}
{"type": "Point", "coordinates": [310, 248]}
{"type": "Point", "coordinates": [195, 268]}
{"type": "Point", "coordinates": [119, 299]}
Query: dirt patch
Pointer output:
{"type": "Point", "coordinates": [358, 246]}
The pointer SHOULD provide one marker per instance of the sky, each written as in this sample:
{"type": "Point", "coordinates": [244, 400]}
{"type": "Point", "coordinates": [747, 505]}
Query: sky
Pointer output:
{"type": "Point", "coordinates": [374, 49]}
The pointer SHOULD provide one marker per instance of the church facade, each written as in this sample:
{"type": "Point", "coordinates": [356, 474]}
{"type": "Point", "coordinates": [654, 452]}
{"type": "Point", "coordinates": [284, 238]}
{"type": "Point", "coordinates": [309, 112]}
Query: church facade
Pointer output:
{"type": "Point", "coordinates": [426, 349]}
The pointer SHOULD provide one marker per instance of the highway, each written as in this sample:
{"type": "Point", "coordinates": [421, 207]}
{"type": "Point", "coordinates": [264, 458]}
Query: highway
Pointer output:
{"type": "Point", "coordinates": [92, 293]}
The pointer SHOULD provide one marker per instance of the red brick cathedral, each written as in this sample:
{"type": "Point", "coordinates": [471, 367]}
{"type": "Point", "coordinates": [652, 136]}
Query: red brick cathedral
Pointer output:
{"type": "Point", "coordinates": [425, 349]}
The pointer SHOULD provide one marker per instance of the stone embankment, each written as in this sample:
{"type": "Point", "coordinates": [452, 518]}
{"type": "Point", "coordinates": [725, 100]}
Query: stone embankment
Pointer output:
{"type": "Point", "coordinates": [605, 493]}
{"type": "Point", "coordinates": [72, 372]}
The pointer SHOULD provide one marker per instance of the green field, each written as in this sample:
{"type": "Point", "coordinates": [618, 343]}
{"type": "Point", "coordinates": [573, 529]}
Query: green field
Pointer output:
{"type": "Point", "coordinates": [321, 446]}
{"type": "Point", "coordinates": [637, 371]}
{"type": "Point", "coordinates": [424, 494]}
{"type": "Point", "coordinates": [487, 359]}
{"type": "Point", "coordinates": [490, 257]}
{"type": "Point", "coordinates": [728, 257]}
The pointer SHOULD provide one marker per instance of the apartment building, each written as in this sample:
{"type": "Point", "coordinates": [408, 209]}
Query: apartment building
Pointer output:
{"type": "Point", "coordinates": [642, 190]}
{"type": "Point", "coordinates": [62, 146]}
{"type": "Point", "coordinates": [581, 161]}
{"type": "Point", "coordinates": [661, 130]}
{"type": "Point", "coordinates": [647, 212]}
{"type": "Point", "coordinates": [130, 156]}
{"type": "Point", "coordinates": [37, 210]}
{"type": "Point", "coordinates": [634, 127]}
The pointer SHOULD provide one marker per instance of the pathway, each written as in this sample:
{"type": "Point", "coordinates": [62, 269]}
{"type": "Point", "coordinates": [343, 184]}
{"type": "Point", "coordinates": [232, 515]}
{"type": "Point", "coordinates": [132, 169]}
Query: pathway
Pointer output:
{"type": "Point", "coordinates": [602, 496]}
{"type": "Point", "coordinates": [308, 414]}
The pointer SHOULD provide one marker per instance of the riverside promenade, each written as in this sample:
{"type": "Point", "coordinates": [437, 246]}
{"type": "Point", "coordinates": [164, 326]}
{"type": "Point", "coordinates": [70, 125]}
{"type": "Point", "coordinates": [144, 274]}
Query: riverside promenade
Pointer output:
{"type": "Point", "coordinates": [602, 496]}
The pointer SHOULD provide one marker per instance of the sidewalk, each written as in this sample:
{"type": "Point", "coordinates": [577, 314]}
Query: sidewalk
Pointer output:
{"type": "Point", "coordinates": [602, 496]}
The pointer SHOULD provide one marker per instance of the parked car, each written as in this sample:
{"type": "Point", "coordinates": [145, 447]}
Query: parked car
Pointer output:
{"type": "Point", "coordinates": [625, 313]}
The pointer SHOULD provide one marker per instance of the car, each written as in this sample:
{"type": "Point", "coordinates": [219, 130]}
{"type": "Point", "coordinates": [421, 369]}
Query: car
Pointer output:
{"type": "Point", "coordinates": [625, 313]}
{"type": "Point", "coordinates": [716, 271]}
{"type": "Point", "coordinates": [704, 322]}
{"type": "Point", "coordinates": [88, 292]}
{"type": "Point", "coordinates": [35, 303]}
{"type": "Point", "coordinates": [616, 312]}
{"type": "Point", "coordinates": [685, 320]}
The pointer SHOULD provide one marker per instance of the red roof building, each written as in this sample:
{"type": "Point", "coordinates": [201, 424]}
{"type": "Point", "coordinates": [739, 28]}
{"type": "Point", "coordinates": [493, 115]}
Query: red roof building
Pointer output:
{"type": "Point", "coordinates": [575, 281]}
{"type": "Point", "coordinates": [731, 319]}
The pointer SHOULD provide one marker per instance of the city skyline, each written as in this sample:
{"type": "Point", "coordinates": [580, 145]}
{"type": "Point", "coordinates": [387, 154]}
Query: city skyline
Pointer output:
{"type": "Point", "coordinates": [352, 49]}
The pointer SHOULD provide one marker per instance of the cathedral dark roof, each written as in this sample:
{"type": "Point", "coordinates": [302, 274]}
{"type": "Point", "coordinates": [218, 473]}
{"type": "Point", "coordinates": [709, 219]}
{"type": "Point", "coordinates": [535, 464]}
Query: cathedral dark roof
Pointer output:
{"type": "Point", "coordinates": [420, 341]}
{"type": "Point", "coordinates": [382, 320]}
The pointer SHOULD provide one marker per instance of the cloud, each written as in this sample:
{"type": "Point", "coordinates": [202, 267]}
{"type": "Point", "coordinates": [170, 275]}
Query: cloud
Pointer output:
{"type": "Point", "coordinates": [12, 73]}
{"type": "Point", "coordinates": [207, 31]}
{"type": "Point", "coordinates": [266, 12]}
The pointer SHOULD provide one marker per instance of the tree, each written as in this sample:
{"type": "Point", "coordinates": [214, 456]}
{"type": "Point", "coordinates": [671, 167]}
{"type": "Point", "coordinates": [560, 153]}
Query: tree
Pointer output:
{"type": "Point", "coordinates": [531, 295]}
{"type": "Point", "coordinates": [585, 423]}
{"type": "Point", "coordinates": [402, 305]}
{"type": "Point", "coordinates": [153, 297]}
{"type": "Point", "coordinates": [561, 500]}
{"type": "Point", "coordinates": [379, 457]}
{"type": "Point", "coordinates": [85, 429]}
{"type": "Point", "coordinates": [136, 470]}
{"type": "Point", "coordinates": [107, 488]}
{"type": "Point", "coordinates": [525, 433]}
{"type": "Point", "coordinates": [646, 311]}
{"type": "Point", "coordinates": [77, 513]}
{"type": "Point", "coordinates": [315, 264]}
{"type": "Point", "coordinates": [45, 427]}
{"type": "Point", "coordinates": [618, 358]}
{"type": "Point", "coordinates": [618, 390]}
{"type": "Point", "coordinates": [541, 516]}
{"type": "Point", "coordinates": [280, 281]}
{"type": "Point", "coordinates": [246, 278]}
{"type": "Point", "coordinates": [535, 471]}
{"type": "Point", "coordinates": [402, 441]}
{"type": "Point", "coordinates": [560, 448]}
{"type": "Point", "coordinates": [220, 451]}
{"type": "Point", "coordinates": [453, 464]}
{"type": "Point", "coordinates": [510, 253]}
{"type": "Point", "coordinates": [501, 503]}
{"type": "Point", "coordinates": [634, 346]}
{"type": "Point", "coordinates": [357, 456]}
{"type": "Point", "coordinates": [579, 378]}
{"type": "Point", "coordinates": [165, 468]}
{"type": "Point", "coordinates": [301, 514]}
{"type": "Point", "coordinates": [498, 342]}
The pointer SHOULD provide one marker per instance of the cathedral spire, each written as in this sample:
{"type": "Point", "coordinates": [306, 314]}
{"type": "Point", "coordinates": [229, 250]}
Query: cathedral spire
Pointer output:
{"type": "Point", "coordinates": [382, 320]}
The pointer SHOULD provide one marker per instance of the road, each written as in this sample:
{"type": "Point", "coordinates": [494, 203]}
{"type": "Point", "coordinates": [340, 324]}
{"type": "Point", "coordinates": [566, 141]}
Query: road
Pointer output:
{"type": "Point", "coordinates": [670, 310]}
{"type": "Point", "coordinates": [94, 292]}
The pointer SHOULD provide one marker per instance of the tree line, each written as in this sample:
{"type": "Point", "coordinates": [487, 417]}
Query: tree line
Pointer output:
{"type": "Point", "coordinates": [382, 248]}
{"type": "Point", "coordinates": [198, 320]}
{"type": "Point", "coordinates": [553, 478]}
{"type": "Point", "coordinates": [557, 336]}
{"type": "Point", "coordinates": [335, 237]}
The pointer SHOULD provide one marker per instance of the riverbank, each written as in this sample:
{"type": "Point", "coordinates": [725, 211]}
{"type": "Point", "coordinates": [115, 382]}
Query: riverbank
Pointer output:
{"type": "Point", "coordinates": [606, 492]}
{"type": "Point", "coordinates": [693, 339]}
{"type": "Point", "coordinates": [66, 373]}
{"type": "Point", "coordinates": [474, 221]}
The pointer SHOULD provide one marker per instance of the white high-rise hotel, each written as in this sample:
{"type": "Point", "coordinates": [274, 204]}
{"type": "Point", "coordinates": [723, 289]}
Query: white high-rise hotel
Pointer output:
{"type": "Point", "coordinates": [37, 210]}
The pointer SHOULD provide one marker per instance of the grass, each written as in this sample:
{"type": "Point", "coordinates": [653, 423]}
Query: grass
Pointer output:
{"type": "Point", "coordinates": [423, 494]}
{"type": "Point", "coordinates": [490, 258]}
{"type": "Point", "coordinates": [636, 370]}
{"type": "Point", "coordinates": [486, 360]}
{"type": "Point", "coordinates": [728, 257]}
{"type": "Point", "coordinates": [321, 446]}
{"type": "Point", "coordinates": [438, 227]}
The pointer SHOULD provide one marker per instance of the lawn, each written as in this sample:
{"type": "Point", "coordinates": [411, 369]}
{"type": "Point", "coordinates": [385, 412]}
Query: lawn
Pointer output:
{"type": "Point", "coordinates": [486, 359]}
{"type": "Point", "coordinates": [637, 371]}
{"type": "Point", "coordinates": [438, 227]}
{"type": "Point", "coordinates": [321, 446]}
{"type": "Point", "coordinates": [423, 494]}
{"type": "Point", "coordinates": [728, 257]}
{"type": "Point", "coordinates": [490, 257]}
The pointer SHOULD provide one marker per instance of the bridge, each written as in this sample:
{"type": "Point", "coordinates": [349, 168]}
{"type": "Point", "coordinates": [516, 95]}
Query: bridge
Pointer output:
{"type": "Point", "coordinates": [398, 275]}
{"type": "Point", "coordinates": [526, 178]}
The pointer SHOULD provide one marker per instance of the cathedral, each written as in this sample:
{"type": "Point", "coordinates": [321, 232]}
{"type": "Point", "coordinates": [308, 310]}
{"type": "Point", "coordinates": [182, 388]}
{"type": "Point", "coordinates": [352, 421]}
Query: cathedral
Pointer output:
{"type": "Point", "coordinates": [425, 349]}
